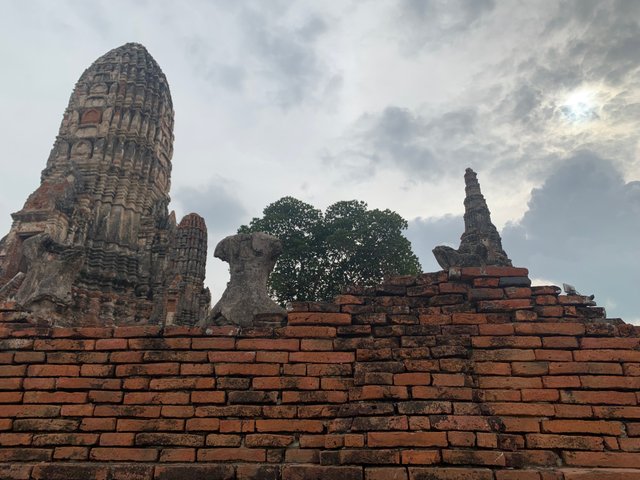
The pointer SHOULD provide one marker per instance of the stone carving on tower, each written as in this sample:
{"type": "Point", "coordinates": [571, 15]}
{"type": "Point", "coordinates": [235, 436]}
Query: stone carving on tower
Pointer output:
{"type": "Point", "coordinates": [95, 243]}
{"type": "Point", "coordinates": [480, 244]}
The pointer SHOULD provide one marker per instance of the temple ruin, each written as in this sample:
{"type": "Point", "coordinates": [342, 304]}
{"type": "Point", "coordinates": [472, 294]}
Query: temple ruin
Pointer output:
{"type": "Point", "coordinates": [113, 367]}
{"type": "Point", "coordinates": [95, 243]}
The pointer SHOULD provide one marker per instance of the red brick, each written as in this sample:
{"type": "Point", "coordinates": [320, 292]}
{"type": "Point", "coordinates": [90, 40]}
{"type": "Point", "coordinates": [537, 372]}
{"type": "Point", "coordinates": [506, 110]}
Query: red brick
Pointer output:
{"type": "Point", "coordinates": [420, 457]}
{"type": "Point", "coordinates": [385, 473]}
{"type": "Point", "coordinates": [70, 453]}
{"type": "Point", "coordinates": [603, 397]}
{"type": "Point", "coordinates": [317, 318]}
{"type": "Point", "coordinates": [124, 454]}
{"type": "Point", "coordinates": [281, 344]}
{"type": "Point", "coordinates": [437, 393]}
{"type": "Point", "coordinates": [54, 397]}
{"type": "Point", "coordinates": [178, 455]}
{"type": "Point", "coordinates": [348, 300]}
{"type": "Point", "coordinates": [407, 439]}
{"type": "Point", "coordinates": [231, 454]}
{"type": "Point", "coordinates": [460, 422]}
{"type": "Point", "coordinates": [434, 319]}
{"type": "Point", "coordinates": [569, 442]}
{"type": "Point", "coordinates": [98, 424]}
{"type": "Point", "coordinates": [583, 426]}
{"type": "Point", "coordinates": [35, 383]}
{"type": "Point", "coordinates": [492, 368]}
{"type": "Point", "coordinates": [92, 370]}
{"type": "Point", "coordinates": [203, 425]}
{"type": "Point", "coordinates": [10, 397]}
{"type": "Point", "coordinates": [413, 378]}
{"type": "Point", "coordinates": [309, 426]}
{"type": "Point", "coordinates": [111, 439]}
{"type": "Point", "coordinates": [63, 344]}
{"type": "Point", "coordinates": [206, 397]}
{"type": "Point", "coordinates": [440, 473]}
{"type": "Point", "coordinates": [461, 439]}
{"type": "Point", "coordinates": [602, 459]}
{"type": "Point", "coordinates": [604, 368]}
{"type": "Point", "coordinates": [613, 382]}
{"type": "Point", "coordinates": [281, 383]}
{"type": "Point", "coordinates": [169, 439]}
{"type": "Point", "coordinates": [549, 328]}
{"type": "Point", "coordinates": [504, 355]}
{"type": "Point", "coordinates": [156, 398]}
{"type": "Point", "coordinates": [150, 425]}
{"type": "Point", "coordinates": [510, 382]}
{"type": "Point", "coordinates": [449, 379]}
{"type": "Point", "coordinates": [196, 368]}
{"type": "Point", "coordinates": [140, 411]}
{"type": "Point", "coordinates": [612, 343]}
{"type": "Point", "coordinates": [111, 344]}
{"type": "Point", "coordinates": [263, 369]}
{"type": "Point", "coordinates": [308, 332]}
{"type": "Point", "coordinates": [322, 357]}
{"type": "Point", "coordinates": [53, 371]}
{"type": "Point", "coordinates": [540, 395]}
{"type": "Point", "coordinates": [136, 331]}
{"type": "Point", "coordinates": [237, 425]}
{"type": "Point", "coordinates": [317, 472]}
{"type": "Point", "coordinates": [378, 392]}
{"type": "Point", "coordinates": [473, 457]}
{"type": "Point", "coordinates": [269, 440]}
{"type": "Point", "coordinates": [468, 318]}
{"type": "Point", "coordinates": [156, 369]}
{"type": "Point", "coordinates": [506, 342]}
{"type": "Point", "coordinates": [607, 355]}
{"type": "Point", "coordinates": [504, 305]}
{"type": "Point", "coordinates": [15, 439]}
{"type": "Point", "coordinates": [520, 409]}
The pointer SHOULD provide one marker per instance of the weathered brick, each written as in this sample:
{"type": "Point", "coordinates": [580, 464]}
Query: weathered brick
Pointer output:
{"type": "Point", "coordinates": [231, 454]}
{"type": "Point", "coordinates": [407, 439]}
{"type": "Point", "coordinates": [317, 472]}
{"type": "Point", "coordinates": [318, 318]}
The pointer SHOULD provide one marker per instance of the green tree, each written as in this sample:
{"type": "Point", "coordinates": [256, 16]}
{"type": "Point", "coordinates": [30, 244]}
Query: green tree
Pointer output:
{"type": "Point", "coordinates": [322, 253]}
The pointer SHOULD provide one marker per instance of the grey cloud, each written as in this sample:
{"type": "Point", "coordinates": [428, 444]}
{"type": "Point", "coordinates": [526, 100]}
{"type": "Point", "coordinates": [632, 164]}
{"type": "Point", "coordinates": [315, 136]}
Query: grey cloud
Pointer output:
{"type": "Point", "coordinates": [422, 146]}
{"type": "Point", "coordinates": [426, 233]}
{"type": "Point", "coordinates": [265, 51]}
{"type": "Point", "coordinates": [435, 22]}
{"type": "Point", "coordinates": [217, 204]}
{"type": "Point", "coordinates": [287, 54]}
{"type": "Point", "coordinates": [580, 228]}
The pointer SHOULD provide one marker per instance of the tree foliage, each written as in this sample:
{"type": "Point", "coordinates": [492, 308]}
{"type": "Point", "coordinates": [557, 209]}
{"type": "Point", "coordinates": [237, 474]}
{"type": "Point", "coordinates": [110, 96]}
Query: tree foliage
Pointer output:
{"type": "Point", "coordinates": [322, 253]}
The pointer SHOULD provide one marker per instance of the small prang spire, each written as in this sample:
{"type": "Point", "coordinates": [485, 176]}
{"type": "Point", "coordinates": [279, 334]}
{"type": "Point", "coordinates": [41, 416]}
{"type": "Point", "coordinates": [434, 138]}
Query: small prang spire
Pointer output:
{"type": "Point", "coordinates": [480, 244]}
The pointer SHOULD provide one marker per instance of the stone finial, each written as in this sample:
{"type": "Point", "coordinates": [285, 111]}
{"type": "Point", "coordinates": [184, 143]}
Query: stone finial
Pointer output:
{"type": "Point", "coordinates": [251, 257]}
{"type": "Point", "coordinates": [480, 244]}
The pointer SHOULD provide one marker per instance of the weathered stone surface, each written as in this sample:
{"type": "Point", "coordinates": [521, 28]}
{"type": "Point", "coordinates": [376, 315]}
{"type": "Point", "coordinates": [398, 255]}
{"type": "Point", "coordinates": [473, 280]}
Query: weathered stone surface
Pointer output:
{"type": "Point", "coordinates": [112, 252]}
{"type": "Point", "coordinates": [251, 259]}
{"type": "Point", "coordinates": [480, 243]}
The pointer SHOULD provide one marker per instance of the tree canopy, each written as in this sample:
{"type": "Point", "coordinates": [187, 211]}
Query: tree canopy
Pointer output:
{"type": "Point", "coordinates": [322, 253]}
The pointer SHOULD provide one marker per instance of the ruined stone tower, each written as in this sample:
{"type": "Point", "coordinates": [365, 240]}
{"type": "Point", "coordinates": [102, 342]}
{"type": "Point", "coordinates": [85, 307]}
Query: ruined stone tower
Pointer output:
{"type": "Point", "coordinates": [95, 240]}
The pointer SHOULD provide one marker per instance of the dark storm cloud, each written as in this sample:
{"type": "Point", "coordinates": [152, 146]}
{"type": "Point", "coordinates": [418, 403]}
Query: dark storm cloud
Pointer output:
{"type": "Point", "coordinates": [582, 228]}
{"type": "Point", "coordinates": [435, 22]}
{"type": "Point", "coordinates": [217, 204]}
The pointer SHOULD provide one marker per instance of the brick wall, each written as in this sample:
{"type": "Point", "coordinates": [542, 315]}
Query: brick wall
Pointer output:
{"type": "Point", "coordinates": [467, 375]}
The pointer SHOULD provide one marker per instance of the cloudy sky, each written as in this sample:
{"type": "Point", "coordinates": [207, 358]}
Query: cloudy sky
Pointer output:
{"type": "Point", "coordinates": [385, 101]}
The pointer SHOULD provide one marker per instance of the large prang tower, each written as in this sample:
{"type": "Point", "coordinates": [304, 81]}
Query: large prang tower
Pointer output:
{"type": "Point", "coordinates": [95, 243]}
